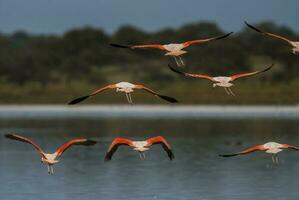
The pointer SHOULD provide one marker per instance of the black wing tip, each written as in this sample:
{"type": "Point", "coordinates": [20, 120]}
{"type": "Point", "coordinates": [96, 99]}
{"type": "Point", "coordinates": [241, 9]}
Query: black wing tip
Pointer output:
{"type": "Point", "coordinates": [107, 158]}
{"type": "Point", "coordinates": [120, 45]}
{"type": "Point", "coordinates": [90, 142]}
{"type": "Point", "coordinates": [10, 136]}
{"type": "Point", "coordinates": [227, 155]}
{"type": "Point", "coordinates": [78, 100]}
{"type": "Point", "coordinates": [268, 68]}
{"type": "Point", "coordinates": [169, 99]}
{"type": "Point", "coordinates": [175, 70]}
{"type": "Point", "coordinates": [224, 36]}
{"type": "Point", "coordinates": [171, 156]}
{"type": "Point", "coordinates": [252, 27]}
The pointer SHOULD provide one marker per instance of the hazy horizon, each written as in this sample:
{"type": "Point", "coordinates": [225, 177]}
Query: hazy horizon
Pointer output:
{"type": "Point", "coordinates": [41, 17]}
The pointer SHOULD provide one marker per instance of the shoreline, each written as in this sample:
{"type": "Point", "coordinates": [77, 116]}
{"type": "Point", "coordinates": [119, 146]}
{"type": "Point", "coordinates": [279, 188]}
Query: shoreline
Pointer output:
{"type": "Point", "coordinates": [148, 112]}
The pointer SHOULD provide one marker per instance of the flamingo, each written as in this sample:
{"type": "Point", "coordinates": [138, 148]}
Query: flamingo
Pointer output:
{"type": "Point", "coordinates": [221, 81]}
{"type": "Point", "coordinates": [294, 44]}
{"type": "Point", "coordinates": [127, 88]}
{"type": "Point", "coordinates": [173, 49]}
{"type": "Point", "coordinates": [50, 159]}
{"type": "Point", "coordinates": [140, 146]}
{"type": "Point", "coordinates": [269, 147]}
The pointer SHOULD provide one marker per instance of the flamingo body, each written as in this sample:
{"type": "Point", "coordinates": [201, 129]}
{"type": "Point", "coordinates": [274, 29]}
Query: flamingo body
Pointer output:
{"type": "Point", "coordinates": [273, 147]}
{"type": "Point", "coordinates": [127, 88]}
{"type": "Point", "coordinates": [221, 81]}
{"type": "Point", "coordinates": [124, 87]}
{"type": "Point", "coordinates": [294, 44]}
{"type": "Point", "coordinates": [139, 146]}
{"type": "Point", "coordinates": [173, 49]}
{"type": "Point", "coordinates": [270, 147]}
{"type": "Point", "coordinates": [50, 159]}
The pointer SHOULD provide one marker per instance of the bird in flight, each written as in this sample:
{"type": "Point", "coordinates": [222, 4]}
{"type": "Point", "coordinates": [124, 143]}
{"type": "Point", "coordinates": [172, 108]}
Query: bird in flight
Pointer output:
{"type": "Point", "coordinates": [127, 88]}
{"type": "Point", "coordinates": [294, 44]}
{"type": "Point", "coordinates": [140, 146]}
{"type": "Point", "coordinates": [221, 81]}
{"type": "Point", "coordinates": [51, 159]}
{"type": "Point", "coordinates": [269, 147]}
{"type": "Point", "coordinates": [173, 49]}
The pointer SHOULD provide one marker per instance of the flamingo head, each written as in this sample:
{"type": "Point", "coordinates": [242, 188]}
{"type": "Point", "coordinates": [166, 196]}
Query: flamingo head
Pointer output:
{"type": "Point", "coordinates": [49, 159]}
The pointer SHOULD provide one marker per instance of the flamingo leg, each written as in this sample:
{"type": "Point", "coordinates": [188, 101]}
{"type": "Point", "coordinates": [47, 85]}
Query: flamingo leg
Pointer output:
{"type": "Point", "coordinates": [130, 97]}
{"type": "Point", "coordinates": [143, 155]}
{"type": "Point", "coordinates": [273, 159]}
{"type": "Point", "coordinates": [231, 92]}
{"type": "Point", "coordinates": [227, 92]}
{"type": "Point", "coordinates": [182, 62]}
{"type": "Point", "coordinates": [276, 159]}
{"type": "Point", "coordinates": [52, 170]}
{"type": "Point", "coordinates": [176, 61]}
{"type": "Point", "coordinates": [48, 166]}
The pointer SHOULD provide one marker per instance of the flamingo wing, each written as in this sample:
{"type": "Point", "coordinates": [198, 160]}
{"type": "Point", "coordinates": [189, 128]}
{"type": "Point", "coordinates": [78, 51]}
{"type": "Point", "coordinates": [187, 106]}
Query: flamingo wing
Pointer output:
{"type": "Point", "coordinates": [234, 77]}
{"type": "Point", "coordinates": [161, 140]}
{"type": "Point", "coordinates": [166, 98]}
{"type": "Point", "coordinates": [114, 145]}
{"type": "Point", "coordinates": [68, 144]}
{"type": "Point", "coordinates": [291, 147]}
{"type": "Point", "coordinates": [145, 46]}
{"type": "Point", "coordinates": [188, 43]}
{"type": "Point", "coordinates": [78, 100]}
{"type": "Point", "coordinates": [156, 46]}
{"type": "Point", "coordinates": [191, 75]}
{"type": "Point", "coordinates": [270, 34]}
{"type": "Point", "coordinates": [27, 140]}
{"type": "Point", "coordinates": [252, 149]}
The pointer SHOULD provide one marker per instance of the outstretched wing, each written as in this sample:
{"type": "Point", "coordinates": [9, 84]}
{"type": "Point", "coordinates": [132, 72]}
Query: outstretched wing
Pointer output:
{"type": "Point", "coordinates": [78, 100]}
{"type": "Point", "coordinates": [161, 140]}
{"type": "Point", "coordinates": [27, 140]}
{"type": "Point", "coordinates": [166, 98]}
{"type": "Point", "coordinates": [252, 149]}
{"type": "Point", "coordinates": [234, 77]}
{"type": "Point", "coordinates": [114, 145]}
{"type": "Point", "coordinates": [270, 34]}
{"type": "Point", "coordinates": [68, 144]}
{"type": "Point", "coordinates": [155, 46]}
{"type": "Point", "coordinates": [188, 43]}
{"type": "Point", "coordinates": [290, 147]}
{"type": "Point", "coordinates": [191, 75]}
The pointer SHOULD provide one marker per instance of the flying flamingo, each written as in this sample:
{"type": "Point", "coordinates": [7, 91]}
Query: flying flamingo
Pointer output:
{"type": "Point", "coordinates": [221, 81]}
{"type": "Point", "coordinates": [51, 159]}
{"type": "Point", "coordinates": [269, 147]}
{"type": "Point", "coordinates": [173, 49]}
{"type": "Point", "coordinates": [127, 88]}
{"type": "Point", "coordinates": [139, 146]}
{"type": "Point", "coordinates": [294, 44]}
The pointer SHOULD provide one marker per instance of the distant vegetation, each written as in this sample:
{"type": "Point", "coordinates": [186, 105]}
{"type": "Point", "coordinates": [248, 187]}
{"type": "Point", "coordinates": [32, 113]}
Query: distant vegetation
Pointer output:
{"type": "Point", "coordinates": [56, 68]}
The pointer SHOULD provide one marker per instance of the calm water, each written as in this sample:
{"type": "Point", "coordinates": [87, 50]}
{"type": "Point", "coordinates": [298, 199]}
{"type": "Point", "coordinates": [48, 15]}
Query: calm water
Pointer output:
{"type": "Point", "coordinates": [197, 173]}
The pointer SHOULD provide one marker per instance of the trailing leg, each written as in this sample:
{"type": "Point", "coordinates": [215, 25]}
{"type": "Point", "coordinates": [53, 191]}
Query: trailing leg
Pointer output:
{"type": "Point", "coordinates": [227, 92]}
{"type": "Point", "coordinates": [231, 92]}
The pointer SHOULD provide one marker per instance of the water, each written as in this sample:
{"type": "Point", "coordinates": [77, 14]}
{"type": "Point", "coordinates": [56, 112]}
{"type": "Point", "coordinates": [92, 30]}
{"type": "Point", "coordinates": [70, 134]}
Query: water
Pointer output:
{"type": "Point", "coordinates": [196, 172]}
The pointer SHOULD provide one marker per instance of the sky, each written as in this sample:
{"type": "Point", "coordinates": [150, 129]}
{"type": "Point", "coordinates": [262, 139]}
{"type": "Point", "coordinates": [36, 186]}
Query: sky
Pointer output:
{"type": "Point", "coordinates": [58, 16]}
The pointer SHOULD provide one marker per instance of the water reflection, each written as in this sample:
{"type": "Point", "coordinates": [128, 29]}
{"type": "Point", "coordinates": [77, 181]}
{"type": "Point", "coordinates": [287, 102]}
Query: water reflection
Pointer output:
{"type": "Point", "coordinates": [196, 173]}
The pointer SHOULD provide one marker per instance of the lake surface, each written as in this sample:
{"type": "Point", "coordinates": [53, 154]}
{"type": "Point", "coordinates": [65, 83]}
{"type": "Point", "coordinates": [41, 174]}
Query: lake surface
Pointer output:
{"type": "Point", "coordinates": [196, 134]}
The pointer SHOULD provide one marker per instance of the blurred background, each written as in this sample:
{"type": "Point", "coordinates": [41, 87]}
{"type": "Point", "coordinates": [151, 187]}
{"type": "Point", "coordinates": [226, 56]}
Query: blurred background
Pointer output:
{"type": "Point", "coordinates": [53, 51]}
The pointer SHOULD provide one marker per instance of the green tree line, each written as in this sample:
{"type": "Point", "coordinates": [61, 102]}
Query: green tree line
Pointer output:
{"type": "Point", "coordinates": [84, 56]}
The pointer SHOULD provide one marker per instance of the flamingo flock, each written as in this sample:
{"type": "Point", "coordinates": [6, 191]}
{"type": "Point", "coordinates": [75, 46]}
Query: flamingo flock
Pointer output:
{"type": "Point", "coordinates": [174, 50]}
